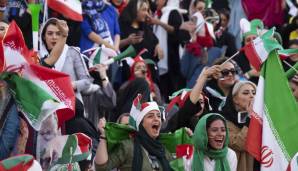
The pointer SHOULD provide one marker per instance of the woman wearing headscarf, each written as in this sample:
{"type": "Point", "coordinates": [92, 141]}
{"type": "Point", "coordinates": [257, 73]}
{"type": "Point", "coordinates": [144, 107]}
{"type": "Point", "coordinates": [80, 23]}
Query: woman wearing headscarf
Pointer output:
{"type": "Point", "coordinates": [236, 110]}
{"type": "Point", "coordinates": [135, 31]}
{"type": "Point", "coordinates": [139, 82]}
{"type": "Point", "coordinates": [210, 151]}
{"type": "Point", "coordinates": [143, 152]}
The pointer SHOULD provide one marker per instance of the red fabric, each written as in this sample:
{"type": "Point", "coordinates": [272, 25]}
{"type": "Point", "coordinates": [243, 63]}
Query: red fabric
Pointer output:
{"type": "Point", "coordinates": [202, 41]}
{"type": "Point", "coordinates": [254, 137]}
{"type": "Point", "coordinates": [184, 150]}
{"type": "Point", "coordinates": [269, 11]}
{"type": "Point", "coordinates": [148, 74]}
{"type": "Point", "coordinates": [121, 7]}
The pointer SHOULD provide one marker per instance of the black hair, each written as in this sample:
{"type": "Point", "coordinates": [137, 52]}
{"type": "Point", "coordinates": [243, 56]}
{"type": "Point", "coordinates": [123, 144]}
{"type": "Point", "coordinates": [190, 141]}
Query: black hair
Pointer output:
{"type": "Point", "coordinates": [213, 118]}
{"type": "Point", "coordinates": [131, 10]}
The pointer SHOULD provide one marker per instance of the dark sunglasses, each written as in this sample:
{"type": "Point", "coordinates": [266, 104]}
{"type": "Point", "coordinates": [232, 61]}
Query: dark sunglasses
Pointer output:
{"type": "Point", "coordinates": [227, 71]}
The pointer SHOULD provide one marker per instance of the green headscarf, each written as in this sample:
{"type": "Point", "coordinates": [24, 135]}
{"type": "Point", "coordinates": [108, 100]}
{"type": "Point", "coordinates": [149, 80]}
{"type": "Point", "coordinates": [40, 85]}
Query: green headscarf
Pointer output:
{"type": "Point", "coordinates": [255, 25]}
{"type": "Point", "coordinates": [200, 139]}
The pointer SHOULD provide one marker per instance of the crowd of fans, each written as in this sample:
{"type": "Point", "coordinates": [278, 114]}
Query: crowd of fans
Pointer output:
{"type": "Point", "coordinates": [187, 44]}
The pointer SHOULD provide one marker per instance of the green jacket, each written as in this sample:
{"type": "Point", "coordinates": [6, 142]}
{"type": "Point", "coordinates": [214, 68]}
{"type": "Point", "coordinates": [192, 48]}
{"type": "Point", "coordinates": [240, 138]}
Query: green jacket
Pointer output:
{"type": "Point", "coordinates": [121, 157]}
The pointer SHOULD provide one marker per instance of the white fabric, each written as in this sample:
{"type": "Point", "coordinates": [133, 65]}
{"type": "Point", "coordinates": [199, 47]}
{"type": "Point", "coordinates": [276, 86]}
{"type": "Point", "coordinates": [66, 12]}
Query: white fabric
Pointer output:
{"type": "Point", "coordinates": [162, 34]}
{"type": "Point", "coordinates": [209, 165]}
{"type": "Point", "coordinates": [35, 166]}
{"type": "Point", "coordinates": [151, 106]}
{"type": "Point", "coordinates": [200, 21]}
{"type": "Point", "coordinates": [244, 26]}
{"type": "Point", "coordinates": [260, 49]}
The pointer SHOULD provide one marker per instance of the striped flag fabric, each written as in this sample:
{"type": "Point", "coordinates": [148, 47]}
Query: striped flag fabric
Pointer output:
{"type": "Point", "coordinates": [70, 8]}
{"type": "Point", "coordinates": [23, 162]}
{"type": "Point", "coordinates": [272, 134]}
{"type": "Point", "coordinates": [98, 55]}
{"type": "Point", "coordinates": [39, 91]}
{"type": "Point", "coordinates": [257, 51]}
{"type": "Point", "coordinates": [67, 149]}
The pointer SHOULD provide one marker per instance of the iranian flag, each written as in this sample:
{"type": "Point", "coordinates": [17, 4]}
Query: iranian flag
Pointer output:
{"type": "Point", "coordinates": [70, 8]}
{"type": "Point", "coordinates": [38, 91]}
{"type": "Point", "coordinates": [258, 50]}
{"type": "Point", "coordinates": [68, 148]}
{"type": "Point", "coordinates": [99, 55]}
{"type": "Point", "coordinates": [272, 135]}
{"type": "Point", "coordinates": [20, 163]}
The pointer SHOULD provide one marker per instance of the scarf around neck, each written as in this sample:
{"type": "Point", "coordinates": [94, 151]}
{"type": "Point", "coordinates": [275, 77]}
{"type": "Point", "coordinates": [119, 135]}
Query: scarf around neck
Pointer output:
{"type": "Point", "coordinates": [93, 9]}
{"type": "Point", "coordinates": [200, 139]}
{"type": "Point", "coordinates": [152, 146]}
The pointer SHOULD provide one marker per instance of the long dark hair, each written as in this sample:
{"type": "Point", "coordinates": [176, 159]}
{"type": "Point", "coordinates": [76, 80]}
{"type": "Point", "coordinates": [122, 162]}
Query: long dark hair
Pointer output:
{"type": "Point", "coordinates": [131, 10]}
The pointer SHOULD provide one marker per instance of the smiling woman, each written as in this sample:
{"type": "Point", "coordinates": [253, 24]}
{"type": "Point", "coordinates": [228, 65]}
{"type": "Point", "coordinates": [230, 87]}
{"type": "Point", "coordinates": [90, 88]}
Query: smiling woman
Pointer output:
{"type": "Point", "coordinates": [211, 145]}
{"type": "Point", "coordinates": [143, 152]}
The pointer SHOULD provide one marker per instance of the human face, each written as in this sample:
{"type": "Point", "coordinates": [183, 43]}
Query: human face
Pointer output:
{"type": "Point", "coordinates": [152, 123]}
{"type": "Point", "coordinates": [249, 38]}
{"type": "Point", "coordinates": [228, 80]}
{"type": "Point", "coordinates": [3, 28]}
{"type": "Point", "coordinates": [216, 134]}
{"type": "Point", "coordinates": [52, 35]}
{"type": "Point", "coordinates": [142, 12]}
{"type": "Point", "coordinates": [140, 70]}
{"type": "Point", "coordinates": [244, 97]}
{"type": "Point", "coordinates": [200, 6]}
{"type": "Point", "coordinates": [223, 20]}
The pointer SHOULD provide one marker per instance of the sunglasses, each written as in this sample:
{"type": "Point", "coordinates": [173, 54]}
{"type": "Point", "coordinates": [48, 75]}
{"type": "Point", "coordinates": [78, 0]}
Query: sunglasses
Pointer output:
{"type": "Point", "coordinates": [226, 72]}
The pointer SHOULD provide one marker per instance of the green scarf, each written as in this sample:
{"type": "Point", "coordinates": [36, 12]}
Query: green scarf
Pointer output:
{"type": "Point", "coordinates": [200, 140]}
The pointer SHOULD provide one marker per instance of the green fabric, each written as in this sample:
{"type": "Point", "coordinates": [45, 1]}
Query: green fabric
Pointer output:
{"type": "Point", "coordinates": [200, 139]}
{"type": "Point", "coordinates": [130, 51]}
{"type": "Point", "coordinates": [291, 72]}
{"type": "Point", "coordinates": [177, 165]}
{"type": "Point", "coordinates": [16, 160]}
{"type": "Point", "coordinates": [255, 25]}
{"type": "Point", "coordinates": [277, 92]}
{"type": "Point", "coordinates": [23, 90]}
{"type": "Point", "coordinates": [35, 9]}
{"type": "Point", "coordinates": [115, 133]}
{"type": "Point", "coordinates": [171, 140]}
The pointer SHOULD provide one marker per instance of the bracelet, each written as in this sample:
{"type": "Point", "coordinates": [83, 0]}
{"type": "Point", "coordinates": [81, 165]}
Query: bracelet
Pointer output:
{"type": "Point", "coordinates": [102, 137]}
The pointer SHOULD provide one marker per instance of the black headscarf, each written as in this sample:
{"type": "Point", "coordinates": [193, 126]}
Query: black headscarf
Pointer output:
{"type": "Point", "coordinates": [152, 146]}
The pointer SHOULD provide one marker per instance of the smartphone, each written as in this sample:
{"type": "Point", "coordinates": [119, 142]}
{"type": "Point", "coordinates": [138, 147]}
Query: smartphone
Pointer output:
{"type": "Point", "coordinates": [242, 117]}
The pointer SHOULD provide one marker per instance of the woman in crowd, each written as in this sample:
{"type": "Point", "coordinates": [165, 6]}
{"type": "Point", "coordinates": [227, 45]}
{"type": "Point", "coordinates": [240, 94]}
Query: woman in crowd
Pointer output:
{"type": "Point", "coordinates": [55, 53]}
{"type": "Point", "coordinates": [225, 39]}
{"type": "Point", "coordinates": [238, 104]}
{"type": "Point", "coordinates": [209, 94]}
{"type": "Point", "coordinates": [142, 152]}
{"type": "Point", "coordinates": [135, 31]}
{"type": "Point", "coordinates": [211, 141]}
{"type": "Point", "coordinates": [139, 82]}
